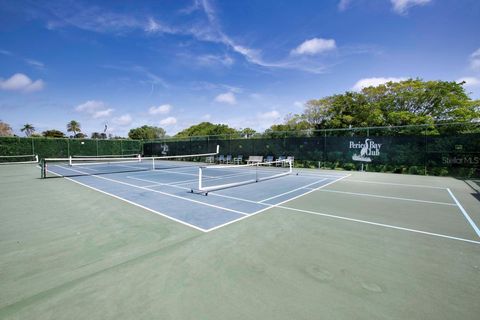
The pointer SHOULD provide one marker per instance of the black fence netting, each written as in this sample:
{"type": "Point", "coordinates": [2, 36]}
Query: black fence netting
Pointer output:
{"type": "Point", "coordinates": [441, 149]}
{"type": "Point", "coordinates": [62, 148]}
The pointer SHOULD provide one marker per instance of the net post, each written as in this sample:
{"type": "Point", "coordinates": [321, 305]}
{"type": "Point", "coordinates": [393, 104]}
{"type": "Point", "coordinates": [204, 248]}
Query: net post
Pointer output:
{"type": "Point", "coordinates": [153, 163]}
{"type": "Point", "coordinates": [36, 158]}
{"type": "Point", "coordinates": [70, 161]}
{"type": "Point", "coordinates": [200, 172]}
{"type": "Point", "coordinates": [43, 169]}
{"type": "Point", "coordinates": [218, 148]}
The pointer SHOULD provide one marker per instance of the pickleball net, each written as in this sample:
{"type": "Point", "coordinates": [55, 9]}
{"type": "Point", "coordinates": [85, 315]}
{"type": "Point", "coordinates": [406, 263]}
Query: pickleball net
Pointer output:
{"type": "Point", "coordinates": [219, 177]}
{"type": "Point", "coordinates": [73, 167]}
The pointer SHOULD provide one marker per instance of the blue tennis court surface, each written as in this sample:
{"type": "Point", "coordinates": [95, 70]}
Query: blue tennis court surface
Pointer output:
{"type": "Point", "coordinates": [168, 193]}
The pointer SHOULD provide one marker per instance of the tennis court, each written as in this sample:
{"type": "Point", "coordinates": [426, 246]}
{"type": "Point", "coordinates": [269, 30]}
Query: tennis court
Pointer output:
{"type": "Point", "coordinates": [306, 244]}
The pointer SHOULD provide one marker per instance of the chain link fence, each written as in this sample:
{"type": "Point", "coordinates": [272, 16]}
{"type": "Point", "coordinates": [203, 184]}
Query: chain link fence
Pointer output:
{"type": "Point", "coordinates": [62, 148]}
{"type": "Point", "coordinates": [441, 149]}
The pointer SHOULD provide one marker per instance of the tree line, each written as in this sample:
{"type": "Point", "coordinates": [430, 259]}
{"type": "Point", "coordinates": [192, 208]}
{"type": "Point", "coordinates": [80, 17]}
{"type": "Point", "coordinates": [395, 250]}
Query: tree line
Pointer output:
{"type": "Point", "coordinates": [409, 102]}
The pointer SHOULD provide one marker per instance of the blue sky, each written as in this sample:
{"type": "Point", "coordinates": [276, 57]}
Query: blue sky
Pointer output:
{"type": "Point", "coordinates": [244, 63]}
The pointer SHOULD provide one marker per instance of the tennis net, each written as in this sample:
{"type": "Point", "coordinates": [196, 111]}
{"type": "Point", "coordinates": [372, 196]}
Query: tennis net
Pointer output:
{"type": "Point", "coordinates": [212, 178]}
{"type": "Point", "coordinates": [19, 159]}
{"type": "Point", "coordinates": [72, 167]}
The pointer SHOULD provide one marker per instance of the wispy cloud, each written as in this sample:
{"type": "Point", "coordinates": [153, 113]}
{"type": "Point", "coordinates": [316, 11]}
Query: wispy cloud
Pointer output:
{"type": "Point", "coordinates": [96, 109]}
{"type": "Point", "coordinates": [205, 27]}
{"type": "Point", "coordinates": [147, 77]}
{"type": "Point", "coordinates": [5, 52]}
{"type": "Point", "coordinates": [35, 63]}
{"type": "Point", "coordinates": [402, 6]}
{"type": "Point", "coordinates": [21, 82]}
{"type": "Point", "coordinates": [343, 5]}
{"type": "Point", "coordinates": [475, 60]}
{"type": "Point", "coordinates": [372, 82]}
{"type": "Point", "coordinates": [227, 97]}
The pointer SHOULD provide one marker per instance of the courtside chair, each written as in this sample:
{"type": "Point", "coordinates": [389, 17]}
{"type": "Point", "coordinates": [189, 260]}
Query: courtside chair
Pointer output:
{"type": "Point", "coordinates": [238, 159]}
{"type": "Point", "coordinates": [281, 158]}
{"type": "Point", "coordinates": [269, 159]}
{"type": "Point", "coordinates": [228, 159]}
{"type": "Point", "coordinates": [221, 158]}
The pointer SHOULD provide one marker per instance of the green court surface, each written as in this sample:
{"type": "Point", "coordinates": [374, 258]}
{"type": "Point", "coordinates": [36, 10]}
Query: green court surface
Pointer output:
{"type": "Point", "coordinates": [369, 246]}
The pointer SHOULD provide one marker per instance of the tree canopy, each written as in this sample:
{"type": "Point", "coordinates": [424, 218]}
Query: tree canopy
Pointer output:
{"type": "Point", "coordinates": [74, 127]}
{"type": "Point", "coordinates": [146, 132]}
{"type": "Point", "coordinates": [53, 134]}
{"type": "Point", "coordinates": [28, 129]}
{"type": "Point", "coordinates": [5, 129]}
{"type": "Point", "coordinates": [393, 104]}
{"type": "Point", "coordinates": [206, 129]}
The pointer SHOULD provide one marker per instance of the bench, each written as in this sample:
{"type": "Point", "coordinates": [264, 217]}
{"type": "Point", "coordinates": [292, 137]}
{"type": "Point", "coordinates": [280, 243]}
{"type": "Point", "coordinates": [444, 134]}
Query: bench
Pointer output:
{"type": "Point", "coordinates": [254, 159]}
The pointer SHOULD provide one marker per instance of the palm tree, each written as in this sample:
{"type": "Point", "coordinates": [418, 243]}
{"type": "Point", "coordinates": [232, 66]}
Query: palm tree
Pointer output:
{"type": "Point", "coordinates": [74, 126]}
{"type": "Point", "coordinates": [28, 129]}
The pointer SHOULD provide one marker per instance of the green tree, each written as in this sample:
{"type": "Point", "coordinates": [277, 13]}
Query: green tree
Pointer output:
{"type": "Point", "coordinates": [28, 129]}
{"type": "Point", "coordinates": [98, 135]}
{"type": "Point", "coordinates": [292, 122]}
{"type": "Point", "coordinates": [407, 102]}
{"type": "Point", "coordinates": [206, 129]}
{"type": "Point", "coordinates": [146, 133]}
{"type": "Point", "coordinates": [247, 132]}
{"type": "Point", "coordinates": [53, 134]}
{"type": "Point", "coordinates": [74, 127]}
{"type": "Point", "coordinates": [5, 129]}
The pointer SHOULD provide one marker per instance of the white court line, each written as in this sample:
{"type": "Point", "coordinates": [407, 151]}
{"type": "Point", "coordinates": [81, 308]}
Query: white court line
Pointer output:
{"type": "Point", "coordinates": [166, 193]}
{"type": "Point", "coordinates": [396, 184]}
{"type": "Point", "coordinates": [135, 204]}
{"type": "Point", "coordinates": [271, 206]}
{"type": "Point", "coordinates": [282, 194]}
{"type": "Point", "coordinates": [472, 223]}
{"type": "Point", "coordinates": [378, 224]}
{"type": "Point", "coordinates": [211, 193]}
{"type": "Point", "coordinates": [388, 197]}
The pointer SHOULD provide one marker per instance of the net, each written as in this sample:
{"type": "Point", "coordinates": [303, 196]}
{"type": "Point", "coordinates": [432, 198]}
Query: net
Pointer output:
{"type": "Point", "coordinates": [72, 167]}
{"type": "Point", "coordinates": [19, 159]}
{"type": "Point", "coordinates": [108, 156]}
{"type": "Point", "coordinates": [212, 178]}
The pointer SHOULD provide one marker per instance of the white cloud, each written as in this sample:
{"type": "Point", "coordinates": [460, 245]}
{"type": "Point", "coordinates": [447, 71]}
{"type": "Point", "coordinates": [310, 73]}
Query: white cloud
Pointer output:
{"type": "Point", "coordinates": [270, 115]}
{"type": "Point", "coordinates": [402, 6]}
{"type": "Point", "coordinates": [343, 5]}
{"type": "Point", "coordinates": [227, 97]}
{"type": "Point", "coordinates": [163, 109]}
{"type": "Point", "coordinates": [372, 82]}
{"type": "Point", "coordinates": [102, 113]}
{"type": "Point", "coordinates": [475, 60]}
{"type": "Point", "coordinates": [96, 109]}
{"type": "Point", "coordinates": [470, 81]}
{"type": "Point", "coordinates": [168, 121]}
{"type": "Point", "coordinates": [314, 46]}
{"type": "Point", "coordinates": [123, 120]}
{"type": "Point", "coordinates": [21, 82]}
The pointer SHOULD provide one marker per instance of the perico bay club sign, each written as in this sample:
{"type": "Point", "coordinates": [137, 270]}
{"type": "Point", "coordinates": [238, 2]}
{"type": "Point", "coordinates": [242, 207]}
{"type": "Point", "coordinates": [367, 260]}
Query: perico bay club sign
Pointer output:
{"type": "Point", "coordinates": [367, 150]}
